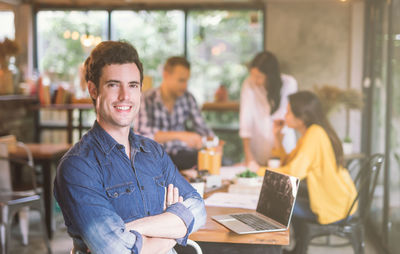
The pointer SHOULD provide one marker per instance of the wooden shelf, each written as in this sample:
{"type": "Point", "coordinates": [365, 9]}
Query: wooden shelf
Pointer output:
{"type": "Point", "coordinates": [18, 97]}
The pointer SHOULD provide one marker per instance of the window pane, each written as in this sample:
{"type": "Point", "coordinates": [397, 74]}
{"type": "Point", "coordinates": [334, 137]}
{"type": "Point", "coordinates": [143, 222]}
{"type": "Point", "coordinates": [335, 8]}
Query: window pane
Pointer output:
{"type": "Point", "coordinates": [220, 44]}
{"type": "Point", "coordinates": [379, 101]}
{"type": "Point", "coordinates": [65, 39]}
{"type": "Point", "coordinates": [157, 35]}
{"type": "Point", "coordinates": [7, 25]}
{"type": "Point", "coordinates": [394, 203]}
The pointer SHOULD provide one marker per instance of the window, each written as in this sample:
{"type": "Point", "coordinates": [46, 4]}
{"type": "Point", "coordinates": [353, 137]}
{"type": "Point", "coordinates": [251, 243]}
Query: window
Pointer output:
{"type": "Point", "coordinates": [156, 35]}
{"type": "Point", "coordinates": [220, 44]}
{"type": "Point", "coordinates": [65, 39]}
{"type": "Point", "coordinates": [7, 25]}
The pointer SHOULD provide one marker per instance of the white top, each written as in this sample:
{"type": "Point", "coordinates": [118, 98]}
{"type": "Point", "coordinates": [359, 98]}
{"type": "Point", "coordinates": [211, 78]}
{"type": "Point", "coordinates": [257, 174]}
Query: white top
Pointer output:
{"type": "Point", "coordinates": [256, 121]}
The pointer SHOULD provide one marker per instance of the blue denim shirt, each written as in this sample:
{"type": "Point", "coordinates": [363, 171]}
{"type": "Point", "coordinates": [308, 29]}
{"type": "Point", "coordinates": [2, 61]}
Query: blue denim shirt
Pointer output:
{"type": "Point", "coordinates": [99, 189]}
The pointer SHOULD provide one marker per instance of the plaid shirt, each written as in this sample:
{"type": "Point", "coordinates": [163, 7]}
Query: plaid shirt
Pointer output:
{"type": "Point", "coordinates": [154, 117]}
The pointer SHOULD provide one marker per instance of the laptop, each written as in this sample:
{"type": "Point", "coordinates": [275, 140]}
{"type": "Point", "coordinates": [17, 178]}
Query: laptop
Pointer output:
{"type": "Point", "coordinates": [274, 208]}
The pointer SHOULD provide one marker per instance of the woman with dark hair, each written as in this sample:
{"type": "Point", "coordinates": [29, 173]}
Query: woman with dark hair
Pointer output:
{"type": "Point", "coordinates": [263, 98]}
{"type": "Point", "coordinates": [317, 160]}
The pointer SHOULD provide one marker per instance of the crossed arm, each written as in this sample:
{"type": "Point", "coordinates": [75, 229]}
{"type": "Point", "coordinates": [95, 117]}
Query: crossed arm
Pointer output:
{"type": "Point", "coordinates": [160, 231]}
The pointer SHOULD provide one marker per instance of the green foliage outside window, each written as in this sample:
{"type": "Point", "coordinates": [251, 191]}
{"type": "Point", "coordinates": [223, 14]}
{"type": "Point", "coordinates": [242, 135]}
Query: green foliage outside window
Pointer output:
{"type": "Point", "coordinates": [156, 35]}
{"type": "Point", "coordinates": [61, 57]}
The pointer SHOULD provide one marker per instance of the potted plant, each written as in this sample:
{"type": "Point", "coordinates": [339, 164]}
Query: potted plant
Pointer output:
{"type": "Point", "coordinates": [332, 98]}
{"type": "Point", "coordinates": [8, 48]}
{"type": "Point", "coordinates": [347, 145]}
{"type": "Point", "coordinates": [247, 177]}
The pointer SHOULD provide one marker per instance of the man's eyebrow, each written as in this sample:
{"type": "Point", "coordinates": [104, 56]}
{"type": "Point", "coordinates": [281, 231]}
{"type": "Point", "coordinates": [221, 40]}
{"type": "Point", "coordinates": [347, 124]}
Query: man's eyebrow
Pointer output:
{"type": "Point", "coordinates": [113, 81]}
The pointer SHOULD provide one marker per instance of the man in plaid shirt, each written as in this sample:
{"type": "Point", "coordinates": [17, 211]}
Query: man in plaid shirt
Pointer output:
{"type": "Point", "coordinates": [169, 114]}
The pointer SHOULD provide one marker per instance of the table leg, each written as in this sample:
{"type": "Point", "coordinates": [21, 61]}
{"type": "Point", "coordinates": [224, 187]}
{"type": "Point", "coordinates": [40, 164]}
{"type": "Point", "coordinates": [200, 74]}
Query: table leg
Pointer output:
{"type": "Point", "coordinates": [80, 126]}
{"type": "Point", "coordinates": [48, 177]}
{"type": "Point", "coordinates": [70, 128]}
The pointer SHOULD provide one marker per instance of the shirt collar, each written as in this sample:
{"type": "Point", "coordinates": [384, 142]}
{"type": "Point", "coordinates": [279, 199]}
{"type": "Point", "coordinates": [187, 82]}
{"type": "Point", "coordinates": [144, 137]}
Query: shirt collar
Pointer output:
{"type": "Point", "coordinates": [107, 143]}
{"type": "Point", "coordinates": [158, 98]}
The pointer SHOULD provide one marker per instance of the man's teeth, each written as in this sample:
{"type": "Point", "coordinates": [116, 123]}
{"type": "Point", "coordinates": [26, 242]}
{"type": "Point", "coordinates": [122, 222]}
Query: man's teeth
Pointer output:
{"type": "Point", "coordinates": [123, 108]}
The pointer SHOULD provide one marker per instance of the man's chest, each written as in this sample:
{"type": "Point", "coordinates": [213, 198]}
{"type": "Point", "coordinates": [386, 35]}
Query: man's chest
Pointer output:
{"type": "Point", "coordinates": [134, 191]}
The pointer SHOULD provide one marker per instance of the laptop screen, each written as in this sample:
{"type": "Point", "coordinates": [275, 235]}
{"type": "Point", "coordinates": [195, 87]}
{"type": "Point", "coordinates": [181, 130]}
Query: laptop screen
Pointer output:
{"type": "Point", "coordinates": [277, 196]}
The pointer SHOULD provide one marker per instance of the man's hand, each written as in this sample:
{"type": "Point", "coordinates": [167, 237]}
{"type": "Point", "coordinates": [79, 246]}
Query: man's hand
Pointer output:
{"type": "Point", "coordinates": [191, 139]}
{"type": "Point", "coordinates": [172, 196]}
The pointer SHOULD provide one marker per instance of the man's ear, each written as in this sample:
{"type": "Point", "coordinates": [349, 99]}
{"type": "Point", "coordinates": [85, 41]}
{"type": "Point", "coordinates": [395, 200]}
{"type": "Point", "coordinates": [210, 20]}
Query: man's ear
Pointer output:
{"type": "Point", "coordinates": [92, 90]}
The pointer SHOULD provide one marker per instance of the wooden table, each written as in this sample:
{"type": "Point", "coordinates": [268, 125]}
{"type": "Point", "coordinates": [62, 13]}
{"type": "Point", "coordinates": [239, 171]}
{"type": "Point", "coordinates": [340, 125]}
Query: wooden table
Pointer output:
{"type": "Point", "coordinates": [47, 156]}
{"type": "Point", "coordinates": [215, 232]}
{"type": "Point", "coordinates": [214, 236]}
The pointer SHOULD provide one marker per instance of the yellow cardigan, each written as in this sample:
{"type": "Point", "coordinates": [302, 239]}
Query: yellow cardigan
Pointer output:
{"type": "Point", "coordinates": [331, 190]}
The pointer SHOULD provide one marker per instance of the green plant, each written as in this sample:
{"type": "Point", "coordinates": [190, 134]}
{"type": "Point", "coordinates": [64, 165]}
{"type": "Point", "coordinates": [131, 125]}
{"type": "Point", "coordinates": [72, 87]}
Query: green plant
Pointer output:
{"type": "Point", "coordinates": [347, 139]}
{"type": "Point", "coordinates": [247, 174]}
{"type": "Point", "coordinates": [8, 48]}
{"type": "Point", "coordinates": [332, 97]}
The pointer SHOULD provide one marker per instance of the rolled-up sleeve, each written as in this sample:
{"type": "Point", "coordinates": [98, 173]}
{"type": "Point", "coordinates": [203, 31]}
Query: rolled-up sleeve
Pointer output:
{"type": "Point", "coordinates": [84, 203]}
{"type": "Point", "coordinates": [246, 114]}
{"type": "Point", "coordinates": [192, 211]}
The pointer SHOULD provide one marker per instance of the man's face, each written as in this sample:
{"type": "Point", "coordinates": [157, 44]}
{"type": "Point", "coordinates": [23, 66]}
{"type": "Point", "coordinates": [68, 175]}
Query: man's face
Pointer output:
{"type": "Point", "coordinates": [177, 80]}
{"type": "Point", "coordinates": [118, 96]}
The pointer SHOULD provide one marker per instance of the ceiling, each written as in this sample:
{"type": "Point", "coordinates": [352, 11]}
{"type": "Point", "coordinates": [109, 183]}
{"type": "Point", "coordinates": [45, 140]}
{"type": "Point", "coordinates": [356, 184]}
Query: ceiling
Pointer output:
{"type": "Point", "coordinates": [148, 3]}
{"type": "Point", "coordinates": [141, 3]}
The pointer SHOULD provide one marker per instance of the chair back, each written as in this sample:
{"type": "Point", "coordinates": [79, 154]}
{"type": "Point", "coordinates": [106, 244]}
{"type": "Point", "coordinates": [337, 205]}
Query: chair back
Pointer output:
{"type": "Point", "coordinates": [5, 174]}
{"type": "Point", "coordinates": [8, 144]}
{"type": "Point", "coordinates": [365, 181]}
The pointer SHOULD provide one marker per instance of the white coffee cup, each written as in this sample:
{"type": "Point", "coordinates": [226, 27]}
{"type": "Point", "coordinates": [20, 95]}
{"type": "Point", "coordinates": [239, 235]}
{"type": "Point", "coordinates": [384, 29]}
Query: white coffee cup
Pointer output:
{"type": "Point", "coordinates": [274, 162]}
{"type": "Point", "coordinates": [199, 186]}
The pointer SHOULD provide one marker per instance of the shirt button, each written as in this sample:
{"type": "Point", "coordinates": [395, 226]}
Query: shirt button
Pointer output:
{"type": "Point", "coordinates": [128, 190]}
{"type": "Point", "coordinates": [115, 194]}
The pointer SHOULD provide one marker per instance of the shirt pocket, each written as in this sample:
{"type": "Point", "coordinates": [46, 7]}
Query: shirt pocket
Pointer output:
{"type": "Point", "coordinates": [161, 188]}
{"type": "Point", "coordinates": [124, 200]}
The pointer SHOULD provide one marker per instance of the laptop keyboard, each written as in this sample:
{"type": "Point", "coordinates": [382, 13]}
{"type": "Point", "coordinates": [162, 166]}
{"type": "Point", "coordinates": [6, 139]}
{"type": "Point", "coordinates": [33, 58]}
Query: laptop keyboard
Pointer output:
{"type": "Point", "coordinates": [253, 221]}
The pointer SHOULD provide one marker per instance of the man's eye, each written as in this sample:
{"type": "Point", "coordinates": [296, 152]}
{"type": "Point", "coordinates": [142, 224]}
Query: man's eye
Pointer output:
{"type": "Point", "coordinates": [134, 85]}
{"type": "Point", "coordinates": [111, 84]}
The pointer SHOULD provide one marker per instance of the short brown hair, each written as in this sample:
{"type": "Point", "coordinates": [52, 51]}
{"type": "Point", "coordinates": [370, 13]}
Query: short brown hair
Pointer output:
{"type": "Point", "coordinates": [110, 52]}
{"type": "Point", "coordinates": [175, 61]}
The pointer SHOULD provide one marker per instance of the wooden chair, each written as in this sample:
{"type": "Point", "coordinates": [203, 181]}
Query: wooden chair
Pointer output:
{"type": "Point", "coordinates": [352, 227]}
{"type": "Point", "coordinates": [12, 202]}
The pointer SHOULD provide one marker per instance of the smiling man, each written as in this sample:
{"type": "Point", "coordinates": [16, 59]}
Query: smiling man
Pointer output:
{"type": "Point", "coordinates": [115, 187]}
{"type": "Point", "coordinates": [169, 114]}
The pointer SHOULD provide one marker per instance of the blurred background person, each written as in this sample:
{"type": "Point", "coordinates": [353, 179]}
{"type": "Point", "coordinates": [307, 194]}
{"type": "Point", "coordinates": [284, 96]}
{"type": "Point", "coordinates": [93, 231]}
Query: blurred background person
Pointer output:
{"type": "Point", "coordinates": [327, 189]}
{"type": "Point", "coordinates": [263, 98]}
{"type": "Point", "coordinates": [170, 115]}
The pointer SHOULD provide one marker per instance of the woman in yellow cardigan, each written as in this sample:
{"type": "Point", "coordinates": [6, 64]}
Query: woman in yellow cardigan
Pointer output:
{"type": "Point", "coordinates": [318, 161]}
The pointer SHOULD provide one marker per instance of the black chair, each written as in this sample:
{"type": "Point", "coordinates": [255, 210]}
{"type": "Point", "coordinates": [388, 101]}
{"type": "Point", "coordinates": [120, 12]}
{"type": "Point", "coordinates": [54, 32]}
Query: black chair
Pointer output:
{"type": "Point", "coordinates": [11, 202]}
{"type": "Point", "coordinates": [352, 227]}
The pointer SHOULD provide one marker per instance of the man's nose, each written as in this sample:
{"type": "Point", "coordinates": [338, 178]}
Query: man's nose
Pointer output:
{"type": "Point", "coordinates": [123, 93]}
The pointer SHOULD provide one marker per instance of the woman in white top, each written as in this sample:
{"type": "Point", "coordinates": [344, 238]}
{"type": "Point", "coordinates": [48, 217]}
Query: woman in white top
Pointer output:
{"type": "Point", "coordinates": [263, 99]}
